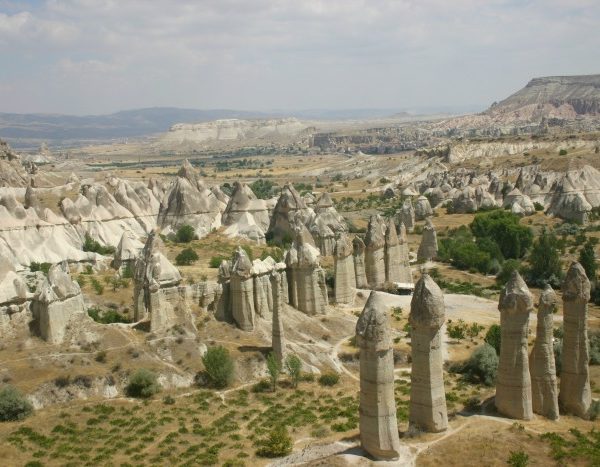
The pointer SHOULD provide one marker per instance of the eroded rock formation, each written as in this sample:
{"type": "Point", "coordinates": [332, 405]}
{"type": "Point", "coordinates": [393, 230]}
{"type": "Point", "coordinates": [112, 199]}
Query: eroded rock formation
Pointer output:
{"type": "Point", "coordinates": [513, 384]}
{"type": "Point", "coordinates": [345, 279]}
{"type": "Point", "coordinates": [278, 340]}
{"type": "Point", "coordinates": [375, 252]}
{"type": "Point", "coordinates": [242, 290]}
{"type": "Point", "coordinates": [427, 396]}
{"type": "Point", "coordinates": [358, 255]}
{"type": "Point", "coordinates": [428, 248]}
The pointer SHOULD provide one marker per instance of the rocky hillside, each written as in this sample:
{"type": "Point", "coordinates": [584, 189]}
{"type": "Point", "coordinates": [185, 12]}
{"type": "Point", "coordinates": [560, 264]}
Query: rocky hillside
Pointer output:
{"type": "Point", "coordinates": [552, 97]}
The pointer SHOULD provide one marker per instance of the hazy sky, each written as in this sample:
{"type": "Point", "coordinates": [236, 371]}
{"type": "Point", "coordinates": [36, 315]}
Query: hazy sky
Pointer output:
{"type": "Point", "coordinates": [89, 57]}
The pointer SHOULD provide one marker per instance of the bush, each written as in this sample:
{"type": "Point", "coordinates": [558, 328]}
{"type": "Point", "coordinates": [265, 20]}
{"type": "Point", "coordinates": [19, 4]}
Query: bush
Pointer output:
{"type": "Point", "coordinates": [456, 330]}
{"type": "Point", "coordinates": [329, 379]}
{"type": "Point", "coordinates": [507, 269]}
{"type": "Point", "coordinates": [274, 370]}
{"type": "Point", "coordinates": [504, 229]}
{"type": "Point", "coordinates": [594, 339]}
{"type": "Point", "coordinates": [185, 234]}
{"type": "Point", "coordinates": [545, 266]}
{"type": "Point", "coordinates": [587, 259]}
{"type": "Point", "coordinates": [106, 317]}
{"type": "Point", "coordinates": [215, 262]}
{"type": "Point", "coordinates": [493, 337]}
{"type": "Point", "coordinates": [263, 189]}
{"type": "Point", "coordinates": [218, 366]}
{"type": "Point", "coordinates": [278, 444]}
{"type": "Point", "coordinates": [186, 257]}
{"type": "Point", "coordinates": [538, 206]}
{"type": "Point", "coordinates": [562, 152]}
{"type": "Point", "coordinates": [481, 366]}
{"type": "Point", "coordinates": [142, 383]}
{"type": "Point", "coordinates": [293, 366]}
{"type": "Point", "coordinates": [518, 459]}
{"type": "Point", "coordinates": [13, 405]}
{"type": "Point", "coordinates": [95, 247]}
{"type": "Point", "coordinates": [44, 267]}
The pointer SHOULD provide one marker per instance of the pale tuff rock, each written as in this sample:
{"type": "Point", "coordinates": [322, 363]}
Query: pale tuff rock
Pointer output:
{"type": "Point", "coordinates": [345, 279]}
{"type": "Point", "coordinates": [428, 248]}
{"type": "Point", "coordinates": [358, 255]}
{"type": "Point", "coordinates": [375, 252]}
{"type": "Point", "coordinates": [157, 294]}
{"type": "Point", "coordinates": [57, 304]}
{"type": "Point", "coordinates": [427, 396]}
{"type": "Point", "coordinates": [13, 294]}
{"type": "Point", "coordinates": [513, 384]}
{"type": "Point", "coordinates": [309, 199]}
{"type": "Point", "coordinates": [127, 251]}
{"type": "Point", "coordinates": [544, 389]}
{"type": "Point", "coordinates": [223, 310]}
{"type": "Point", "coordinates": [277, 342]}
{"type": "Point", "coordinates": [289, 210]}
{"type": "Point", "coordinates": [519, 203]}
{"type": "Point", "coordinates": [263, 295]}
{"type": "Point", "coordinates": [396, 255]}
{"type": "Point", "coordinates": [575, 393]}
{"type": "Point", "coordinates": [242, 290]}
{"type": "Point", "coordinates": [245, 214]}
{"type": "Point", "coordinates": [576, 194]}
{"type": "Point", "coordinates": [405, 272]}
{"type": "Point", "coordinates": [326, 225]}
{"type": "Point", "coordinates": [422, 208]}
{"type": "Point", "coordinates": [306, 278]}
{"type": "Point", "coordinates": [407, 215]}
{"type": "Point", "coordinates": [377, 424]}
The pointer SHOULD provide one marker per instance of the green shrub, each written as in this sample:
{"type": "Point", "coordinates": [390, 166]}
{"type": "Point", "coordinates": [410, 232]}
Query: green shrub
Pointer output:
{"type": "Point", "coordinates": [562, 152]}
{"type": "Point", "coordinates": [263, 189]}
{"type": "Point", "coordinates": [278, 444]}
{"type": "Point", "coordinates": [142, 383]}
{"type": "Point", "coordinates": [507, 269]}
{"type": "Point", "coordinates": [587, 259]}
{"type": "Point", "coordinates": [94, 246]}
{"type": "Point", "coordinates": [107, 316]}
{"type": "Point", "coordinates": [504, 229]}
{"type": "Point", "coordinates": [538, 206]}
{"type": "Point", "coordinates": [329, 379]}
{"type": "Point", "coordinates": [44, 267]}
{"type": "Point", "coordinates": [218, 366]}
{"type": "Point", "coordinates": [128, 271]}
{"type": "Point", "coordinates": [493, 337]}
{"type": "Point", "coordinates": [98, 287]}
{"type": "Point", "coordinates": [187, 257]}
{"type": "Point", "coordinates": [481, 367]}
{"type": "Point", "coordinates": [456, 330]}
{"type": "Point", "coordinates": [293, 366]}
{"type": "Point", "coordinates": [274, 370]}
{"type": "Point", "coordinates": [518, 459]}
{"type": "Point", "coordinates": [185, 234]}
{"type": "Point", "coordinates": [594, 339]}
{"type": "Point", "coordinates": [544, 259]}
{"type": "Point", "coordinates": [13, 405]}
{"type": "Point", "coordinates": [216, 261]}
{"type": "Point", "coordinates": [594, 412]}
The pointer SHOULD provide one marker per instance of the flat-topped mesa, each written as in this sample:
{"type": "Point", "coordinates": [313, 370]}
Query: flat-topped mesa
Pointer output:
{"type": "Point", "coordinates": [245, 215]}
{"type": "Point", "coordinates": [57, 303]}
{"type": "Point", "coordinates": [358, 255]}
{"type": "Point", "coordinates": [513, 384]}
{"type": "Point", "coordinates": [544, 389]}
{"type": "Point", "coordinates": [375, 252]}
{"type": "Point", "coordinates": [158, 296]}
{"type": "Point", "coordinates": [289, 210]}
{"type": "Point", "coordinates": [306, 278]}
{"type": "Point", "coordinates": [278, 340]}
{"type": "Point", "coordinates": [343, 263]}
{"type": "Point", "coordinates": [427, 395]}
{"type": "Point", "coordinates": [242, 290]}
{"type": "Point", "coordinates": [377, 410]}
{"type": "Point", "coordinates": [575, 395]}
{"type": "Point", "coordinates": [428, 248]}
{"type": "Point", "coordinates": [406, 215]}
{"type": "Point", "coordinates": [422, 208]}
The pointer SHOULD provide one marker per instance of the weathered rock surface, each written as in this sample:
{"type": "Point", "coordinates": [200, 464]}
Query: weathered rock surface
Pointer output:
{"type": "Point", "coordinates": [358, 255]}
{"type": "Point", "coordinates": [427, 395]}
{"type": "Point", "coordinates": [242, 291]}
{"type": "Point", "coordinates": [289, 210]}
{"type": "Point", "coordinates": [57, 304]}
{"type": "Point", "coordinates": [422, 208]}
{"type": "Point", "coordinates": [377, 424]}
{"type": "Point", "coordinates": [127, 251]}
{"type": "Point", "coordinates": [513, 384]}
{"type": "Point", "coordinates": [428, 248]}
{"type": "Point", "coordinates": [375, 252]}
{"type": "Point", "coordinates": [278, 340]}
{"type": "Point", "coordinates": [326, 225]}
{"type": "Point", "coordinates": [245, 214]}
{"type": "Point", "coordinates": [544, 388]}
{"type": "Point", "coordinates": [345, 278]}
{"type": "Point", "coordinates": [575, 392]}
{"type": "Point", "coordinates": [407, 215]}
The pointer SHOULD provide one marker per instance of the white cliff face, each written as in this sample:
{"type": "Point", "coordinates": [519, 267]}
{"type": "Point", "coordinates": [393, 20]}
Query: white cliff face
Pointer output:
{"type": "Point", "coordinates": [232, 130]}
{"type": "Point", "coordinates": [377, 422]}
{"type": "Point", "coordinates": [575, 392]}
{"type": "Point", "coordinates": [427, 395]}
{"type": "Point", "coordinates": [513, 384]}
{"type": "Point", "coordinates": [544, 388]}
{"type": "Point", "coordinates": [57, 304]}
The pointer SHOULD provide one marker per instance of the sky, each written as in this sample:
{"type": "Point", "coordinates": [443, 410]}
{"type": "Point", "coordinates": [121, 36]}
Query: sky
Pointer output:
{"type": "Point", "coordinates": [93, 57]}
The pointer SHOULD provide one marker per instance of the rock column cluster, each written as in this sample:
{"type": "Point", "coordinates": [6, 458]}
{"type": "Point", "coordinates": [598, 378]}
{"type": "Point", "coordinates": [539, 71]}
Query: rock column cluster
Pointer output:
{"type": "Point", "coordinates": [427, 396]}
{"type": "Point", "coordinates": [575, 391]}
{"type": "Point", "coordinates": [513, 385]}
{"type": "Point", "coordinates": [377, 423]}
{"type": "Point", "coordinates": [544, 390]}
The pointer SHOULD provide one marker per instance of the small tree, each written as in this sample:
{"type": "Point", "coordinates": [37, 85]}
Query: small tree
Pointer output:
{"type": "Point", "coordinates": [482, 365]}
{"type": "Point", "coordinates": [274, 370]}
{"type": "Point", "coordinates": [142, 383]}
{"type": "Point", "coordinates": [493, 337]}
{"type": "Point", "coordinates": [545, 261]}
{"type": "Point", "coordinates": [587, 258]}
{"type": "Point", "coordinates": [185, 234]}
{"type": "Point", "coordinates": [219, 366]}
{"type": "Point", "coordinates": [293, 366]}
{"type": "Point", "coordinates": [507, 269]}
{"type": "Point", "coordinates": [13, 405]}
{"type": "Point", "coordinates": [278, 444]}
{"type": "Point", "coordinates": [186, 257]}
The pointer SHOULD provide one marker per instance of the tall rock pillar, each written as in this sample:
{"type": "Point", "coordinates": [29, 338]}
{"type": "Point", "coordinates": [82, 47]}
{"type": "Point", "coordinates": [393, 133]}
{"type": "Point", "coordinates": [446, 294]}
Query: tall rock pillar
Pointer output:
{"type": "Point", "coordinates": [375, 252]}
{"type": "Point", "coordinates": [544, 390]}
{"type": "Point", "coordinates": [428, 248]}
{"type": "Point", "coordinates": [358, 255]}
{"type": "Point", "coordinates": [345, 279]}
{"type": "Point", "coordinates": [378, 426]}
{"type": "Point", "coordinates": [277, 341]}
{"type": "Point", "coordinates": [242, 291]}
{"type": "Point", "coordinates": [427, 395]}
{"type": "Point", "coordinates": [575, 393]}
{"type": "Point", "coordinates": [513, 384]}
{"type": "Point", "coordinates": [393, 263]}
